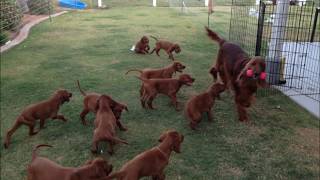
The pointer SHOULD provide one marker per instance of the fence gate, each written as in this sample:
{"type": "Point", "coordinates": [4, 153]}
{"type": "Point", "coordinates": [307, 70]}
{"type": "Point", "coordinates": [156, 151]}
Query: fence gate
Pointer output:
{"type": "Point", "coordinates": [288, 36]}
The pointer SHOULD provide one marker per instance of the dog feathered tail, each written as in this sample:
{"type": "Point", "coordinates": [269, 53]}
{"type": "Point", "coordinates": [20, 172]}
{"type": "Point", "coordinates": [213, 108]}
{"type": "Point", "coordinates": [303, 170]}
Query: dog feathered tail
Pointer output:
{"type": "Point", "coordinates": [214, 36]}
{"type": "Point", "coordinates": [142, 79]}
{"type": "Point", "coordinates": [118, 174]}
{"type": "Point", "coordinates": [138, 70]}
{"type": "Point", "coordinates": [81, 91]}
{"type": "Point", "coordinates": [118, 140]}
{"type": "Point", "coordinates": [34, 151]}
{"type": "Point", "coordinates": [154, 38]}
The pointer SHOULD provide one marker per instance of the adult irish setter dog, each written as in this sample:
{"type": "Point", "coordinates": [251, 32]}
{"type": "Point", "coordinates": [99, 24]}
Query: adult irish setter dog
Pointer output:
{"type": "Point", "coordinates": [239, 72]}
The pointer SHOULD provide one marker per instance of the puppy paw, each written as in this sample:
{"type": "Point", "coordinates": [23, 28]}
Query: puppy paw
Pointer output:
{"type": "Point", "coordinates": [84, 123]}
{"type": "Point", "coordinates": [33, 133]}
{"type": "Point", "coordinates": [123, 129]}
{"type": "Point", "coordinates": [94, 151]}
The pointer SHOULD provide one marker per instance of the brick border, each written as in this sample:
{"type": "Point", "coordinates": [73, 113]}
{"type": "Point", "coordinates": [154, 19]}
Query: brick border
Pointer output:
{"type": "Point", "coordinates": [24, 32]}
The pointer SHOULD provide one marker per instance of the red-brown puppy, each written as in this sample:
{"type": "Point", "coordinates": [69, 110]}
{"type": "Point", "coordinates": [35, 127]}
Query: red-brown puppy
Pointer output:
{"type": "Point", "coordinates": [142, 46]}
{"type": "Point", "coordinates": [168, 86]}
{"type": "Point", "coordinates": [169, 47]}
{"type": "Point", "coordinates": [90, 104]}
{"type": "Point", "coordinates": [42, 168]}
{"type": "Point", "coordinates": [40, 111]}
{"type": "Point", "coordinates": [105, 124]}
{"type": "Point", "coordinates": [239, 72]}
{"type": "Point", "coordinates": [151, 162]}
{"type": "Point", "coordinates": [202, 103]}
{"type": "Point", "coordinates": [160, 73]}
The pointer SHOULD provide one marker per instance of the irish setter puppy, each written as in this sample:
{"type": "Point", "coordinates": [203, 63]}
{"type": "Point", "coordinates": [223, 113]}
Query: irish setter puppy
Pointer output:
{"type": "Point", "coordinates": [105, 124]}
{"type": "Point", "coordinates": [202, 103]}
{"type": "Point", "coordinates": [151, 162]}
{"type": "Point", "coordinates": [169, 47]}
{"type": "Point", "coordinates": [90, 104]}
{"type": "Point", "coordinates": [42, 168]}
{"type": "Point", "coordinates": [165, 72]}
{"type": "Point", "coordinates": [168, 86]}
{"type": "Point", "coordinates": [40, 111]}
{"type": "Point", "coordinates": [238, 72]}
{"type": "Point", "coordinates": [142, 46]}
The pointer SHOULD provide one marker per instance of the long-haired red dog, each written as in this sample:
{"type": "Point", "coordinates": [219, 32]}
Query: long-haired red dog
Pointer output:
{"type": "Point", "coordinates": [239, 72]}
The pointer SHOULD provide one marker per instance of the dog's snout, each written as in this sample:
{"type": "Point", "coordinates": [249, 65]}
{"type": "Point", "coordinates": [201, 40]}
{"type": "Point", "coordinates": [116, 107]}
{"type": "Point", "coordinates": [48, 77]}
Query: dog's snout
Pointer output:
{"type": "Point", "coordinates": [70, 94]}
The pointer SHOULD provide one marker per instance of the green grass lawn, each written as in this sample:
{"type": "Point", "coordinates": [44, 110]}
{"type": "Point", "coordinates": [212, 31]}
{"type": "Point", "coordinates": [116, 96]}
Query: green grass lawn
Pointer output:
{"type": "Point", "coordinates": [93, 46]}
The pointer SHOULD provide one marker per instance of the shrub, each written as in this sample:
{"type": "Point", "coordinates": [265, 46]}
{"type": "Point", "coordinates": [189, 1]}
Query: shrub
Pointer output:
{"type": "Point", "coordinates": [10, 15]}
{"type": "Point", "coordinates": [4, 37]}
{"type": "Point", "coordinates": [40, 7]}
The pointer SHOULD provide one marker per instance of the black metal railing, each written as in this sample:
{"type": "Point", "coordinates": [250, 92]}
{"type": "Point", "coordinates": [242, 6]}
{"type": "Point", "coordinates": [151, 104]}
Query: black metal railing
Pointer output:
{"type": "Point", "coordinates": [287, 35]}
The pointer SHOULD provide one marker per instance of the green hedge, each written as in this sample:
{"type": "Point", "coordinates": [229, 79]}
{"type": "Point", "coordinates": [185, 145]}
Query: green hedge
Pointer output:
{"type": "Point", "coordinates": [4, 37]}
{"type": "Point", "coordinates": [38, 7]}
{"type": "Point", "coordinates": [10, 15]}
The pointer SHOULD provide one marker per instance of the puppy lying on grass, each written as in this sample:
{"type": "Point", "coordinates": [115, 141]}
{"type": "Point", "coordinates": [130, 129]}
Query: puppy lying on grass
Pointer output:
{"type": "Point", "coordinates": [142, 46]}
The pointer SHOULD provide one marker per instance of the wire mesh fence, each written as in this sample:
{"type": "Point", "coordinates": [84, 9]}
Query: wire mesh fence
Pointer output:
{"type": "Point", "coordinates": [15, 13]}
{"type": "Point", "coordinates": [287, 35]}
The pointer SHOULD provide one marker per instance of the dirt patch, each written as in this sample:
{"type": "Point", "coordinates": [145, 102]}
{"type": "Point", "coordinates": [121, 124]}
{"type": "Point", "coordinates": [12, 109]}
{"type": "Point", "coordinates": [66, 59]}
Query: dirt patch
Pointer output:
{"type": "Point", "coordinates": [307, 141]}
{"type": "Point", "coordinates": [227, 170]}
{"type": "Point", "coordinates": [255, 130]}
{"type": "Point", "coordinates": [25, 20]}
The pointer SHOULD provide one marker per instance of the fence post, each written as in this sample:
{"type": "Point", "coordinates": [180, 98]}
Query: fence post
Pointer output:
{"type": "Point", "coordinates": [154, 3]}
{"type": "Point", "coordinates": [262, 9]}
{"type": "Point", "coordinates": [99, 3]}
{"type": "Point", "coordinates": [49, 6]}
{"type": "Point", "coordinates": [315, 24]}
{"type": "Point", "coordinates": [276, 43]}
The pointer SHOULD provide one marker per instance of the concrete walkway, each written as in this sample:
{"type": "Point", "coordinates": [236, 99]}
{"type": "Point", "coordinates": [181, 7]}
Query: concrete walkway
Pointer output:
{"type": "Point", "coordinates": [24, 32]}
{"type": "Point", "coordinates": [311, 105]}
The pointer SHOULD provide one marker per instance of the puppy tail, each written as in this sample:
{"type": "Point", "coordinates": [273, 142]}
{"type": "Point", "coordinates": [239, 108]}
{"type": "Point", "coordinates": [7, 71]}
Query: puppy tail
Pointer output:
{"type": "Point", "coordinates": [214, 72]}
{"type": "Point", "coordinates": [154, 38]}
{"type": "Point", "coordinates": [118, 140]}
{"type": "Point", "coordinates": [214, 36]}
{"type": "Point", "coordinates": [138, 70]}
{"type": "Point", "coordinates": [81, 91]}
{"type": "Point", "coordinates": [118, 174]}
{"type": "Point", "coordinates": [142, 79]}
{"type": "Point", "coordinates": [34, 151]}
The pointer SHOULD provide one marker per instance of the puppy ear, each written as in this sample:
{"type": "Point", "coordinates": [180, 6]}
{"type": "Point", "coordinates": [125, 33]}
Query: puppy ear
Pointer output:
{"type": "Point", "coordinates": [126, 107]}
{"type": "Point", "coordinates": [110, 168]}
{"type": "Point", "coordinates": [98, 166]}
{"type": "Point", "coordinates": [177, 140]}
{"type": "Point", "coordinates": [97, 105]}
{"type": "Point", "coordinates": [88, 162]}
{"type": "Point", "coordinates": [213, 71]}
{"type": "Point", "coordinates": [162, 137]}
{"type": "Point", "coordinates": [75, 175]}
{"type": "Point", "coordinates": [262, 83]}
